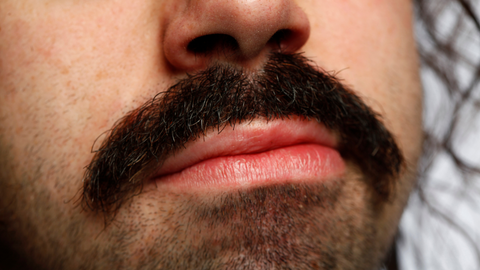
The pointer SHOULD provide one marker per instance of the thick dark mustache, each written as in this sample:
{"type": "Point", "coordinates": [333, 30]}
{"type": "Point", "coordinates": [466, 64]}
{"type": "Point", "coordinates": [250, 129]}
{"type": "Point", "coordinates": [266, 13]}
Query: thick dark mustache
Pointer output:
{"type": "Point", "coordinates": [223, 95]}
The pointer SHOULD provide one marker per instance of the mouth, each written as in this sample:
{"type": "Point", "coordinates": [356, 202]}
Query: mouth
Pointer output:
{"type": "Point", "coordinates": [256, 153]}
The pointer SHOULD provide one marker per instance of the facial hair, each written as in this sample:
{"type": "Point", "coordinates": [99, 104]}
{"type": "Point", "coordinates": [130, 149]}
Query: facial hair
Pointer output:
{"type": "Point", "coordinates": [329, 225]}
{"type": "Point", "coordinates": [287, 86]}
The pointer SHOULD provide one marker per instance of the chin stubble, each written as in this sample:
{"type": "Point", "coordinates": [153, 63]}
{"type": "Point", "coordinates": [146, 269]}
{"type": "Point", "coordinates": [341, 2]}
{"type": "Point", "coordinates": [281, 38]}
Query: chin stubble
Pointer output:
{"type": "Point", "coordinates": [260, 228]}
{"type": "Point", "coordinates": [289, 226]}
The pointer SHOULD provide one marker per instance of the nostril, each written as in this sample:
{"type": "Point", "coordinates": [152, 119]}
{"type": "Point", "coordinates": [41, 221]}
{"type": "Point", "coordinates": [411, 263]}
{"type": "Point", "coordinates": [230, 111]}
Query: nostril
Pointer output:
{"type": "Point", "coordinates": [214, 42]}
{"type": "Point", "coordinates": [242, 32]}
{"type": "Point", "coordinates": [208, 44]}
{"type": "Point", "coordinates": [280, 36]}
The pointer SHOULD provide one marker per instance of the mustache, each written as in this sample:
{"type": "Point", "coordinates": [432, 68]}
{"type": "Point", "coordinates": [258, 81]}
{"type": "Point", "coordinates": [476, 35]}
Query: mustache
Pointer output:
{"type": "Point", "coordinates": [288, 85]}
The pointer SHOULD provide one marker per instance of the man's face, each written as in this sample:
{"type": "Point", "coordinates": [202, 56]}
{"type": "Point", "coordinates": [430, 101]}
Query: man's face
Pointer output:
{"type": "Point", "coordinates": [289, 192]}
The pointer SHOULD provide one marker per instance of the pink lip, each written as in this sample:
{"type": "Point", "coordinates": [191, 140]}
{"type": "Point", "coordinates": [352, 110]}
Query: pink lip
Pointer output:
{"type": "Point", "coordinates": [255, 153]}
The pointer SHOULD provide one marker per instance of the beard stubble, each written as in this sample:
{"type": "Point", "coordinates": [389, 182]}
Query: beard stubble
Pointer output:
{"type": "Point", "coordinates": [329, 225]}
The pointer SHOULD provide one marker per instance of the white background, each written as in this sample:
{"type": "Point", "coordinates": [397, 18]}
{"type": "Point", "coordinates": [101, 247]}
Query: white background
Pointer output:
{"type": "Point", "coordinates": [428, 238]}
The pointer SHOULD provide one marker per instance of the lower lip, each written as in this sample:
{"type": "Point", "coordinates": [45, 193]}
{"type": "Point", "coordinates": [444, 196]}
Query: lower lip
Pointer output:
{"type": "Point", "coordinates": [292, 164]}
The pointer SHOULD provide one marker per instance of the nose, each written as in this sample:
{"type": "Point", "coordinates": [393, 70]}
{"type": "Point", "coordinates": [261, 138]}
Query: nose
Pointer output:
{"type": "Point", "coordinates": [241, 31]}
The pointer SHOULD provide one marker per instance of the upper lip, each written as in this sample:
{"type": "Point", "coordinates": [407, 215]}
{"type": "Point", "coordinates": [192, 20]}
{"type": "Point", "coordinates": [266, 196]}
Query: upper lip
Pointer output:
{"type": "Point", "coordinates": [252, 137]}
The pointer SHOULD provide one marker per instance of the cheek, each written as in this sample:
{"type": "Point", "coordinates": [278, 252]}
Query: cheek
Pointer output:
{"type": "Point", "coordinates": [62, 84]}
{"type": "Point", "coordinates": [370, 44]}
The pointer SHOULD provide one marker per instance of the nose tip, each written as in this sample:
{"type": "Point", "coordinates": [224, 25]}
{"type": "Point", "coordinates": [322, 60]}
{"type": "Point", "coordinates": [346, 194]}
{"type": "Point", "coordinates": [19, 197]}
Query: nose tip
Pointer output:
{"type": "Point", "coordinates": [234, 30]}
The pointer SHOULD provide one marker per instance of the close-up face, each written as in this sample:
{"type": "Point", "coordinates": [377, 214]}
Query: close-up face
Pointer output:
{"type": "Point", "coordinates": [206, 134]}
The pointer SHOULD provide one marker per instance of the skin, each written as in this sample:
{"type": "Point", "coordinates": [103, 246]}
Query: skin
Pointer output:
{"type": "Point", "coordinates": [70, 69]}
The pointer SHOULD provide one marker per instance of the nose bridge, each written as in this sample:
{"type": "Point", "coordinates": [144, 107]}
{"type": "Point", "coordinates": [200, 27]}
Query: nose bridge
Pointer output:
{"type": "Point", "coordinates": [251, 24]}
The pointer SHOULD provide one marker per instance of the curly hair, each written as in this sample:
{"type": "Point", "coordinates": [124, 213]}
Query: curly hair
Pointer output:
{"type": "Point", "coordinates": [438, 230]}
